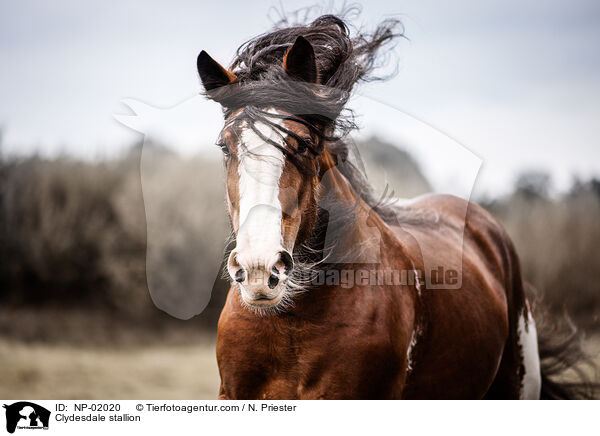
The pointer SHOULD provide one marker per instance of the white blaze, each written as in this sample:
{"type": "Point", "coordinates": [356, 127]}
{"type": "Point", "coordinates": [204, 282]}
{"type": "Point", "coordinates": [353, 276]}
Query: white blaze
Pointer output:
{"type": "Point", "coordinates": [532, 379]}
{"type": "Point", "coordinates": [260, 167]}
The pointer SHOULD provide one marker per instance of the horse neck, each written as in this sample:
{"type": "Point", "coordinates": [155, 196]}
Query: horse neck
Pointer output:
{"type": "Point", "coordinates": [333, 181]}
{"type": "Point", "coordinates": [345, 215]}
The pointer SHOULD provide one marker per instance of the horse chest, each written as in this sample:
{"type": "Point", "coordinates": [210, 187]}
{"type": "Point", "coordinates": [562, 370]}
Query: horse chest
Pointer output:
{"type": "Point", "coordinates": [308, 363]}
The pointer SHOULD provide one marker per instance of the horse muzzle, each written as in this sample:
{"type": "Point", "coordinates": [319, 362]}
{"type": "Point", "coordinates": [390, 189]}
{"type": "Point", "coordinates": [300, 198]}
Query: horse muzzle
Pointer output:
{"type": "Point", "coordinates": [261, 279]}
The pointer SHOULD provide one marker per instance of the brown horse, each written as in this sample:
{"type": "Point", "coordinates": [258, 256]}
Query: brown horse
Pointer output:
{"type": "Point", "coordinates": [331, 294]}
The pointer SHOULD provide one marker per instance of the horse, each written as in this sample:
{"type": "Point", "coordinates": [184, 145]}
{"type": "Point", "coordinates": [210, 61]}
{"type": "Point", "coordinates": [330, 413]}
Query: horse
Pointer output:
{"type": "Point", "coordinates": [301, 210]}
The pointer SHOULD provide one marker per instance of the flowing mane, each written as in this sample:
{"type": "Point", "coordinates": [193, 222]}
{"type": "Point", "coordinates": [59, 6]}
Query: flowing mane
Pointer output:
{"type": "Point", "coordinates": [342, 61]}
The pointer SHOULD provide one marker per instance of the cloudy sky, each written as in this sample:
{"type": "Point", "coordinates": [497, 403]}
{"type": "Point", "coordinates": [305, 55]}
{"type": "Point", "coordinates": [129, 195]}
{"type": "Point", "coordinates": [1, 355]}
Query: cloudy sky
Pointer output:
{"type": "Point", "coordinates": [515, 82]}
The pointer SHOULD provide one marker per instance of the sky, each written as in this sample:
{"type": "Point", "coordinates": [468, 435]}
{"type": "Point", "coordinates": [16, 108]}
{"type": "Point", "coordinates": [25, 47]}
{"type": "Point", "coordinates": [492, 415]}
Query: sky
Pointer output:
{"type": "Point", "coordinates": [516, 83]}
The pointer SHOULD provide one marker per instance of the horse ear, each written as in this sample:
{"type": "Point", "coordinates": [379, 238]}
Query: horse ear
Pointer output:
{"type": "Point", "coordinates": [300, 62]}
{"type": "Point", "coordinates": [212, 74]}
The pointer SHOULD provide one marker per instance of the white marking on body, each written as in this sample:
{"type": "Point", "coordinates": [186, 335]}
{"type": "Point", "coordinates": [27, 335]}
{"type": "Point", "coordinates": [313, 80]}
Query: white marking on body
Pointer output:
{"type": "Point", "coordinates": [260, 168]}
{"type": "Point", "coordinates": [411, 345]}
{"type": "Point", "coordinates": [417, 282]}
{"type": "Point", "coordinates": [532, 378]}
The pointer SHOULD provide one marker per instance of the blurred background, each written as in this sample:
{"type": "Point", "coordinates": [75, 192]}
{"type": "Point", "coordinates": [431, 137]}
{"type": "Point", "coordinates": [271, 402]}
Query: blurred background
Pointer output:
{"type": "Point", "coordinates": [515, 82]}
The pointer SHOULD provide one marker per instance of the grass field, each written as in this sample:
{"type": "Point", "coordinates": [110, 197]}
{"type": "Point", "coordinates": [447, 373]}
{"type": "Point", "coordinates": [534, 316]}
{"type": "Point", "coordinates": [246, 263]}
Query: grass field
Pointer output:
{"type": "Point", "coordinates": [68, 372]}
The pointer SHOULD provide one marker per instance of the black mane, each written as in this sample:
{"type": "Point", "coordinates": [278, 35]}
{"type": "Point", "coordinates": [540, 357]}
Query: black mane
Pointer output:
{"type": "Point", "coordinates": [342, 60]}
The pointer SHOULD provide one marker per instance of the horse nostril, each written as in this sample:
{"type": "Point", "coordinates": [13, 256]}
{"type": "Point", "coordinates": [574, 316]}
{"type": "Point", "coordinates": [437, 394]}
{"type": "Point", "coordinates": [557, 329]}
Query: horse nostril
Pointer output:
{"type": "Point", "coordinates": [240, 275]}
{"type": "Point", "coordinates": [287, 260]}
{"type": "Point", "coordinates": [273, 280]}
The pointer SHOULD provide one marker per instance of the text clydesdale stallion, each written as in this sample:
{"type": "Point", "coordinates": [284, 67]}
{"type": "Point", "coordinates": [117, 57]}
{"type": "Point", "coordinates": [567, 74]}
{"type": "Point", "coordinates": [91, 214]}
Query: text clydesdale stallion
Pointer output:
{"type": "Point", "coordinates": [299, 209]}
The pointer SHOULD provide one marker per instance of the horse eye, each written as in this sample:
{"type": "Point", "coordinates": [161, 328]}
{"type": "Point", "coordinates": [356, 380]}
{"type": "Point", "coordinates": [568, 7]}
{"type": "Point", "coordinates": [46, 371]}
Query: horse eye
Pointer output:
{"type": "Point", "coordinates": [304, 144]}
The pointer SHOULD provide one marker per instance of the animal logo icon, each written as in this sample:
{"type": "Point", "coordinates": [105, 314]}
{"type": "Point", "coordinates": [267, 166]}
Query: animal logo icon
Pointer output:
{"type": "Point", "coordinates": [25, 414]}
